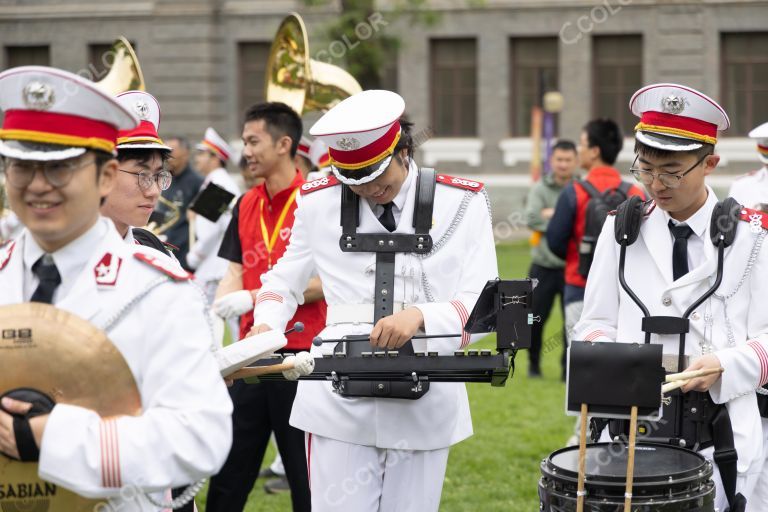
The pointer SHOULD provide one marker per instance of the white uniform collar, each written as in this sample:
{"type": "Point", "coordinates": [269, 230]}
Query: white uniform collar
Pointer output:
{"type": "Point", "coordinates": [129, 239]}
{"type": "Point", "coordinates": [699, 221]}
{"type": "Point", "coordinates": [72, 258]}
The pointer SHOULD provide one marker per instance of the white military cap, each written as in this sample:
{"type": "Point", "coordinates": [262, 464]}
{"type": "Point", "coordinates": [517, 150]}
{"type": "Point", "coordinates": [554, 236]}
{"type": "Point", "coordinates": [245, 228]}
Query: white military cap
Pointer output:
{"type": "Point", "coordinates": [304, 146]}
{"type": "Point", "coordinates": [51, 114]}
{"type": "Point", "coordinates": [144, 136]}
{"type": "Point", "coordinates": [676, 117]}
{"type": "Point", "coordinates": [761, 134]}
{"type": "Point", "coordinates": [361, 133]}
{"type": "Point", "coordinates": [215, 143]}
{"type": "Point", "coordinates": [318, 154]}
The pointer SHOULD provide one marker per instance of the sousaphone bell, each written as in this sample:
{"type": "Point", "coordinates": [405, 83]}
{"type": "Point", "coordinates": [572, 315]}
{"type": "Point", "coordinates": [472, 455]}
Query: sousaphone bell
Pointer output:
{"type": "Point", "coordinates": [125, 72]}
{"type": "Point", "coordinates": [302, 83]}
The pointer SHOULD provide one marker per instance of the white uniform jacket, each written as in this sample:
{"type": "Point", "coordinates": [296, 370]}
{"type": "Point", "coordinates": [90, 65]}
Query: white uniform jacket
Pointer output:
{"type": "Point", "coordinates": [156, 318]}
{"type": "Point", "coordinates": [444, 285]}
{"type": "Point", "coordinates": [203, 256]}
{"type": "Point", "coordinates": [733, 324]}
{"type": "Point", "coordinates": [751, 190]}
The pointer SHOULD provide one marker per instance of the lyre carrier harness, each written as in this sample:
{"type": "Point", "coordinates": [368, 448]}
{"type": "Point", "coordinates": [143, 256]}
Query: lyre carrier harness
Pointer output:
{"type": "Point", "coordinates": [386, 246]}
{"type": "Point", "coordinates": [696, 421]}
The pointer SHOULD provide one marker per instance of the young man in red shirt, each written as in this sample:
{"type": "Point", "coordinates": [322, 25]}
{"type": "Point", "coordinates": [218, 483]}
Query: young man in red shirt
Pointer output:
{"type": "Point", "coordinates": [256, 238]}
{"type": "Point", "coordinates": [599, 146]}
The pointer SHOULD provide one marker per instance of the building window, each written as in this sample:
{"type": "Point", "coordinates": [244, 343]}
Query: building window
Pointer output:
{"type": "Point", "coordinates": [453, 86]}
{"type": "Point", "coordinates": [533, 65]}
{"type": "Point", "coordinates": [745, 80]}
{"type": "Point", "coordinates": [617, 74]}
{"type": "Point", "coordinates": [389, 71]}
{"type": "Point", "coordinates": [27, 56]}
{"type": "Point", "coordinates": [252, 68]}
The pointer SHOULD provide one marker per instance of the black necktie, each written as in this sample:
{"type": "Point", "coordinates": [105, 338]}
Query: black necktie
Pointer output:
{"type": "Point", "coordinates": [387, 218]}
{"type": "Point", "coordinates": [46, 271]}
{"type": "Point", "coordinates": [680, 249]}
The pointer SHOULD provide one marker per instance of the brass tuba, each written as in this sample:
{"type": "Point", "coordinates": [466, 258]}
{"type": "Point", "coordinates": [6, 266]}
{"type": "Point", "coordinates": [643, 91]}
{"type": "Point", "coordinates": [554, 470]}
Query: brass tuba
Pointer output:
{"type": "Point", "coordinates": [166, 215]}
{"type": "Point", "coordinates": [125, 73]}
{"type": "Point", "coordinates": [302, 83]}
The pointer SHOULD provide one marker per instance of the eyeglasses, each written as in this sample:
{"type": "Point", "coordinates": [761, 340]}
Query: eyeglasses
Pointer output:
{"type": "Point", "coordinates": [146, 179]}
{"type": "Point", "coordinates": [669, 180]}
{"type": "Point", "coordinates": [58, 173]}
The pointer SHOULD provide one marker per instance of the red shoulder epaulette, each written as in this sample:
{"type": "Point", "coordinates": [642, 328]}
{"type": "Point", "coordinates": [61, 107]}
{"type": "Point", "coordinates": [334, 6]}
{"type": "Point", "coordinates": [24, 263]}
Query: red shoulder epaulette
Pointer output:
{"type": "Point", "coordinates": [475, 186]}
{"type": "Point", "coordinates": [165, 265]}
{"type": "Point", "coordinates": [755, 218]}
{"type": "Point", "coordinates": [319, 184]}
{"type": "Point", "coordinates": [6, 249]}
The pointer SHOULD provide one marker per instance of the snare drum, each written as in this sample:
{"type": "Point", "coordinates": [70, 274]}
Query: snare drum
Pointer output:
{"type": "Point", "coordinates": [666, 479]}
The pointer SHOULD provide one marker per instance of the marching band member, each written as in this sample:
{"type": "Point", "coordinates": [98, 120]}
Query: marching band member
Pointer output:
{"type": "Point", "coordinates": [142, 175]}
{"type": "Point", "coordinates": [751, 190]}
{"type": "Point", "coordinates": [210, 160]}
{"type": "Point", "coordinates": [57, 142]}
{"type": "Point", "coordinates": [672, 264]}
{"type": "Point", "coordinates": [368, 453]}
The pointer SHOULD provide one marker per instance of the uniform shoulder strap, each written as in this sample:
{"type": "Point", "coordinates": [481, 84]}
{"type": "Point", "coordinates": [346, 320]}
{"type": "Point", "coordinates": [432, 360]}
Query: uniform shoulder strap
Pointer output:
{"type": "Point", "coordinates": [319, 184]}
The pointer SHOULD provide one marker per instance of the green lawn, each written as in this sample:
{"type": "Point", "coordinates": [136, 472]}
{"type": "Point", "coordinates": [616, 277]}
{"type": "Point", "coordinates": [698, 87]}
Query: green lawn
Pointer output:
{"type": "Point", "coordinates": [497, 469]}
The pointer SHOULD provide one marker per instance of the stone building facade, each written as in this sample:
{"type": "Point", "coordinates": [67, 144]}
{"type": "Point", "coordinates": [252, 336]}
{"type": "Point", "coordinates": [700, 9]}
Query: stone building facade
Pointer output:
{"type": "Point", "coordinates": [468, 79]}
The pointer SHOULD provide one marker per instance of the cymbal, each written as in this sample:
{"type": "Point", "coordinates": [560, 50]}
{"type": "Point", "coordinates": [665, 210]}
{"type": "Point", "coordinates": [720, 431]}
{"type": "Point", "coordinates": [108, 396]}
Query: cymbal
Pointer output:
{"type": "Point", "coordinates": [73, 362]}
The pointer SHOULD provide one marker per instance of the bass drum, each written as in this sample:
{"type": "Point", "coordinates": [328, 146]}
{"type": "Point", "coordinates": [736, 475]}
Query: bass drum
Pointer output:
{"type": "Point", "coordinates": [666, 479]}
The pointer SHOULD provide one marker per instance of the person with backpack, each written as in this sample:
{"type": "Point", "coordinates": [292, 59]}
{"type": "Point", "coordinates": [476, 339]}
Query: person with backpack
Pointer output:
{"type": "Point", "coordinates": [582, 208]}
{"type": "Point", "coordinates": [545, 266]}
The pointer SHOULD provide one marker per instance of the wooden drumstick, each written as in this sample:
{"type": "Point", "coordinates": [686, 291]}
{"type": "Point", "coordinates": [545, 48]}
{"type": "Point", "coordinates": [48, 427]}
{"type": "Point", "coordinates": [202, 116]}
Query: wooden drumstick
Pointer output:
{"type": "Point", "coordinates": [630, 459]}
{"type": "Point", "coordinates": [255, 371]}
{"type": "Point", "coordinates": [672, 377]}
{"type": "Point", "coordinates": [580, 492]}
{"type": "Point", "coordinates": [666, 388]}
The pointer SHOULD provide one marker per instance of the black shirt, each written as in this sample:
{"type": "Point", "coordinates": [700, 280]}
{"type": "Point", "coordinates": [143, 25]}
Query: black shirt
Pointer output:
{"type": "Point", "coordinates": [230, 248]}
{"type": "Point", "coordinates": [183, 189]}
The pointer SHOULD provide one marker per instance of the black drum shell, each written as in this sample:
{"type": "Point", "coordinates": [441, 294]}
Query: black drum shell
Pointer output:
{"type": "Point", "coordinates": [666, 479]}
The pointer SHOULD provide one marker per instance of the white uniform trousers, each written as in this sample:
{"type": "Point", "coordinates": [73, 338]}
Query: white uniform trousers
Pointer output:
{"type": "Point", "coordinates": [357, 478]}
{"type": "Point", "coordinates": [759, 498]}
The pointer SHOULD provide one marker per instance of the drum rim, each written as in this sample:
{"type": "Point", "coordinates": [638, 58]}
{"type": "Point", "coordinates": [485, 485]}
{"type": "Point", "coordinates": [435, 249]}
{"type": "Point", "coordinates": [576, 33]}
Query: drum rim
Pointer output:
{"type": "Point", "coordinates": [701, 473]}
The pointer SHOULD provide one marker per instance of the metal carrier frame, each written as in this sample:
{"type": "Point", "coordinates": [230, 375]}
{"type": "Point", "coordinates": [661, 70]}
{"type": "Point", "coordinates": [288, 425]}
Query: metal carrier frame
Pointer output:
{"type": "Point", "coordinates": [504, 307]}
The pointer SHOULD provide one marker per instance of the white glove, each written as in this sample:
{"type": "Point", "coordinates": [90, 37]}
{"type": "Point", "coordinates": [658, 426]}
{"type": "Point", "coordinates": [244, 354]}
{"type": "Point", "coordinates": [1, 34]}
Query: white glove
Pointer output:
{"type": "Point", "coordinates": [233, 304]}
{"type": "Point", "coordinates": [303, 364]}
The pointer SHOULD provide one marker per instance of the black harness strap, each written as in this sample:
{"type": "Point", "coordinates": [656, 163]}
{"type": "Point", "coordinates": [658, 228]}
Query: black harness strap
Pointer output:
{"type": "Point", "coordinates": [386, 246]}
{"type": "Point", "coordinates": [726, 458]}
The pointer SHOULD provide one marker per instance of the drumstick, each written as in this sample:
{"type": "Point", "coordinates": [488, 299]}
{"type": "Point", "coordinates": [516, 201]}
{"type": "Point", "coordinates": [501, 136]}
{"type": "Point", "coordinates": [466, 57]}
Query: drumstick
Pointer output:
{"type": "Point", "coordinates": [255, 371]}
{"type": "Point", "coordinates": [630, 459]}
{"type": "Point", "coordinates": [672, 377]}
{"type": "Point", "coordinates": [580, 492]}
{"type": "Point", "coordinates": [666, 388]}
